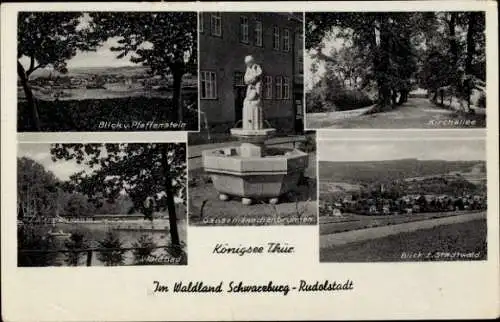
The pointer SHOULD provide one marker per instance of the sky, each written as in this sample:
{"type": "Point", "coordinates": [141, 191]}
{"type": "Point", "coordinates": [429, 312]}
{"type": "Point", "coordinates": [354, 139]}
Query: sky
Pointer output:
{"type": "Point", "coordinates": [40, 152]}
{"type": "Point", "coordinates": [450, 150]}
{"type": "Point", "coordinates": [102, 57]}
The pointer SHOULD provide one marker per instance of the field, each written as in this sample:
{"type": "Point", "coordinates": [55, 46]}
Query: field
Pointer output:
{"type": "Point", "coordinates": [438, 243]}
{"type": "Point", "coordinates": [348, 222]}
{"type": "Point", "coordinates": [88, 114]}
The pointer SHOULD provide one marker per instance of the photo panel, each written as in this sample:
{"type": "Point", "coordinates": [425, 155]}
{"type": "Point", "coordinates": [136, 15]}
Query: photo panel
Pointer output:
{"type": "Point", "coordinates": [101, 204]}
{"type": "Point", "coordinates": [395, 70]}
{"type": "Point", "coordinates": [107, 71]}
{"type": "Point", "coordinates": [400, 199]}
{"type": "Point", "coordinates": [251, 163]}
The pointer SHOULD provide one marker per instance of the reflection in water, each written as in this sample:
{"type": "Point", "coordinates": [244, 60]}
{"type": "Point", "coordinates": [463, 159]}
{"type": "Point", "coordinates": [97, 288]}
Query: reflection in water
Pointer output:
{"type": "Point", "coordinates": [128, 233]}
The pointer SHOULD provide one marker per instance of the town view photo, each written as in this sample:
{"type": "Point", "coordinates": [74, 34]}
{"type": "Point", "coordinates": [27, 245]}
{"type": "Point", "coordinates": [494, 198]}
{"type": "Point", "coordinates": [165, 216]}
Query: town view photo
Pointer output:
{"type": "Point", "coordinates": [107, 71]}
{"type": "Point", "coordinates": [402, 200]}
{"type": "Point", "coordinates": [395, 70]}
{"type": "Point", "coordinates": [101, 204]}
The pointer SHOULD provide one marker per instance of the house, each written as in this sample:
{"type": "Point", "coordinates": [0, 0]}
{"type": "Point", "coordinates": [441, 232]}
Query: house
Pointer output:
{"type": "Point", "coordinates": [336, 212]}
{"type": "Point", "coordinates": [275, 40]}
{"type": "Point", "coordinates": [372, 210]}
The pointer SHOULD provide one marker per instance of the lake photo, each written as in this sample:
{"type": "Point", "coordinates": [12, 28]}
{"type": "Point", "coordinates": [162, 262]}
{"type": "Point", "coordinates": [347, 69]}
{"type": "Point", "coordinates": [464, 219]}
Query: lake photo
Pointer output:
{"type": "Point", "coordinates": [85, 205]}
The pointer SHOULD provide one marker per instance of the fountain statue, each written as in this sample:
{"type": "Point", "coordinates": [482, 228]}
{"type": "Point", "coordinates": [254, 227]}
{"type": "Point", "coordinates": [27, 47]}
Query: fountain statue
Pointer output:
{"type": "Point", "coordinates": [253, 121]}
{"type": "Point", "coordinates": [253, 171]}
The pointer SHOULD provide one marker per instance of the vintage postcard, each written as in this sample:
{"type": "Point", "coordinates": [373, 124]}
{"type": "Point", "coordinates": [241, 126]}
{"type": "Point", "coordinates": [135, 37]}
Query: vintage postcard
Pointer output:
{"type": "Point", "coordinates": [226, 161]}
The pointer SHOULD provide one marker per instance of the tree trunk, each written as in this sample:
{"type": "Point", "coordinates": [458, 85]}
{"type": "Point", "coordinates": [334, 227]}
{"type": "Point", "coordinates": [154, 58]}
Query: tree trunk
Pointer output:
{"type": "Point", "coordinates": [453, 41]}
{"type": "Point", "coordinates": [383, 64]}
{"type": "Point", "coordinates": [177, 113]}
{"type": "Point", "coordinates": [470, 52]}
{"type": "Point", "coordinates": [35, 120]}
{"type": "Point", "coordinates": [435, 95]}
{"type": "Point", "coordinates": [172, 217]}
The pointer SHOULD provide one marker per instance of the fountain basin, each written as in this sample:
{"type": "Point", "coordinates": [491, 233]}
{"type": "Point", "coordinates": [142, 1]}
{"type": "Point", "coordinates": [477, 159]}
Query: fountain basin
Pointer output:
{"type": "Point", "coordinates": [252, 136]}
{"type": "Point", "coordinates": [258, 174]}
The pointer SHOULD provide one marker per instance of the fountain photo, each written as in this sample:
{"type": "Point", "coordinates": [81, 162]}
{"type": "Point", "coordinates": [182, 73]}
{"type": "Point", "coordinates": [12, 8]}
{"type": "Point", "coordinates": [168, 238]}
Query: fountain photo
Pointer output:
{"type": "Point", "coordinates": [408, 199]}
{"type": "Point", "coordinates": [107, 71]}
{"type": "Point", "coordinates": [386, 70]}
{"type": "Point", "coordinates": [251, 163]}
{"type": "Point", "coordinates": [100, 204]}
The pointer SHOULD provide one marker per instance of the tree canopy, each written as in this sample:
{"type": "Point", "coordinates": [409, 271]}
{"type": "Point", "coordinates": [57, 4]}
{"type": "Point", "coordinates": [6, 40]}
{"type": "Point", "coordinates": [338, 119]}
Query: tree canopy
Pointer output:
{"type": "Point", "coordinates": [139, 170]}
{"type": "Point", "coordinates": [400, 50]}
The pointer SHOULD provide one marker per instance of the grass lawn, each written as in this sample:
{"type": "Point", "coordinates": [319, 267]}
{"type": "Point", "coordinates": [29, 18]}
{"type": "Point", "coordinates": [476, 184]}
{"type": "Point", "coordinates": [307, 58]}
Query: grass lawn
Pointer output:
{"type": "Point", "coordinates": [437, 244]}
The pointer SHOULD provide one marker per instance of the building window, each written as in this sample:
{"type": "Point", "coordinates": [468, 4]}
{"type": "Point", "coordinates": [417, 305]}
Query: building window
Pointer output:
{"type": "Point", "coordinates": [268, 89]}
{"type": "Point", "coordinates": [238, 79]}
{"type": "Point", "coordinates": [216, 24]}
{"type": "Point", "coordinates": [200, 22]}
{"type": "Point", "coordinates": [208, 85]}
{"type": "Point", "coordinates": [286, 88]}
{"type": "Point", "coordinates": [276, 38]}
{"type": "Point", "coordinates": [258, 33]}
{"type": "Point", "coordinates": [286, 40]}
{"type": "Point", "coordinates": [279, 87]}
{"type": "Point", "coordinates": [244, 29]}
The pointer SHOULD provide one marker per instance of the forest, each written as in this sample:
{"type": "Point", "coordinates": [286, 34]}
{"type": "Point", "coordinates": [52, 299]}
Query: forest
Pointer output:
{"type": "Point", "coordinates": [380, 57]}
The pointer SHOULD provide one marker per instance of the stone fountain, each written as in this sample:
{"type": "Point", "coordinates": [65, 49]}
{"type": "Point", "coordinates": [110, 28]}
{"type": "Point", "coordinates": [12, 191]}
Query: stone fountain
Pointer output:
{"type": "Point", "coordinates": [252, 171]}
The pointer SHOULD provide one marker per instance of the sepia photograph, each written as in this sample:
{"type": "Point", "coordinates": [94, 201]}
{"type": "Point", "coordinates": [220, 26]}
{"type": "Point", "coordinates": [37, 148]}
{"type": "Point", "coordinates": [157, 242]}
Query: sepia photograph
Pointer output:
{"type": "Point", "coordinates": [384, 70]}
{"type": "Point", "coordinates": [402, 200]}
{"type": "Point", "coordinates": [107, 71]}
{"type": "Point", "coordinates": [110, 204]}
{"type": "Point", "coordinates": [251, 163]}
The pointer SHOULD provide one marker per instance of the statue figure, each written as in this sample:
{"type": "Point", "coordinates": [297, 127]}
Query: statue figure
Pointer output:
{"type": "Point", "coordinates": [252, 105]}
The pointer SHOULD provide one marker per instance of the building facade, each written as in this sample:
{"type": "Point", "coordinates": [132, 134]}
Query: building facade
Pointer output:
{"type": "Point", "coordinates": [275, 40]}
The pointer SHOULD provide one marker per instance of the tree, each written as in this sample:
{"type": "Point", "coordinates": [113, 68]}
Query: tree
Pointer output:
{"type": "Point", "coordinates": [76, 242]}
{"type": "Point", "coordinates": [112, 254]}
{"type": "Point", "coordinates": [454, 60]}
{"type": "Point", "coordinates": [139, 170]}
{"type": "Point", "coordinates": [77, 206]}
{"type": "Point", "coordinates": [382, 41]}
{"type": "Point", "coordinates": [37, 189]}
{"type": "Point", "coordinates": [145, 246]}
{"type": "Point", "coordinates": [166, 42]}
{"type": "Point", "coordinates": [28, 239]}
{"type": "Point", "coordinates": [475, 31]}
{"type": "Point", "coordinates": [47, 39]}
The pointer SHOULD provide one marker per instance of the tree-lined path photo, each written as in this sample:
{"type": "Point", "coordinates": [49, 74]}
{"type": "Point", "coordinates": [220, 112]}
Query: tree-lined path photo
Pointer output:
{"type": "Point", "coordinates": [395, 70]}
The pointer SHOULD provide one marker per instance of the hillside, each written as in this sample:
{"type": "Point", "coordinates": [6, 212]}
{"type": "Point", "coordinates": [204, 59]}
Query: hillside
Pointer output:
{"type": "Point", "coordinates": [72, 72]}
{"type": "Point", "coordinates": [364, 172]}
